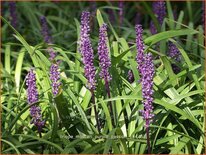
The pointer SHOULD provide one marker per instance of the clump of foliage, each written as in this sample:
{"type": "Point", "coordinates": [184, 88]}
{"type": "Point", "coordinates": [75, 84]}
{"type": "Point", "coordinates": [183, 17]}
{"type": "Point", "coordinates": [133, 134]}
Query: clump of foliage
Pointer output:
{"type": "Point", "coordinates": [108, 90]}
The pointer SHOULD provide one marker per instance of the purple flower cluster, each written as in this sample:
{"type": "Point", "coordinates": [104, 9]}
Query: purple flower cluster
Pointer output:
{"type": "Point", "coordinates": [32, 97]}
{"type": "Point", "coordinates": [32, 94]}
{"type": "Point", "coordinates": [111, 14]}
{"type": "Point", "coordinates": [130, 76]}
{"type": "Point", "coordinates": [87, 51]}
{"type": "Point", "coordinates": [103, 53]}
{"type": "Point", "coordinates": [55, 77]}
{"type": "Point", "coordinates": [93, 7]}
{"type": "Point", "coordinates": [12, 9]}
{"type": "Point", "coordinates": [35, 113]}
{"type": "Point", "coordinates": [147, 88]}
{"type": "Point", "coordinates": [52, 53]}
{"type": "Point", "coordinates": [140, 47]}
{"type": "Point", "coordinates": [45, 30]}
{"type": "Point", "coordinates": [146, 70]}
{"type": "Point", "coordinates": [159, 10]}
{"type": "Point", "coordinates": [47, 37]}
{"type": "Point", "coordinates": [138, 18]}
{"type": "Point", "coordinates": [174, 53]}
{"type": "Point", "coordinates": [121, 12]}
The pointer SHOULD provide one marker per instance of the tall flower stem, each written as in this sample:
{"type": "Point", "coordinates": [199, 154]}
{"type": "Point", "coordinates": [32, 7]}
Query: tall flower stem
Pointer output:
{"type": "Point", "coordinates": [42, 146]}
{"type": "Point", "coordinates": [110, 103]}
{"type": "Point", "coordinates": [105, 62]}
{"type": "Point", "coordinates": [95, 111]}
{"type": "Point", "coordinates": [88, 58]}
{"type": "Point", "coordinates": [146, 70]}
{"type": "Point", "coordinates": [148, 138]}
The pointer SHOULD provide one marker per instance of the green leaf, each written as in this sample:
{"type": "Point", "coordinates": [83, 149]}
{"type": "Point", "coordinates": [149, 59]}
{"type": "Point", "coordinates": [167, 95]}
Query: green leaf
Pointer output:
{"type": "Point", "coordinates": [109, 142]}
{"type": "Point", "coordinates": [168, 34]}
{"type": "Point", "coordinates": [12, 145]}
{"type": "Point", "coordinates": [180, 145]}
{"type": "Point", "coordinates": [8, 59]}
{"type": "Point", "coordinates": [177, 110]}
{"type": "Point", "coordinates": [18, 69]}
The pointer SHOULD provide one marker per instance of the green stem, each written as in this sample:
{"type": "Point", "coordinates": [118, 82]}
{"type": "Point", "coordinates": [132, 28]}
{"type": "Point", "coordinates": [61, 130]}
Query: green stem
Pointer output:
{"type": "Point", "coordinates": [147, 134]}
{"type": "Point", "coordinates": [95, 111]}
{"type": "Point", "coordinates": [110, 103]}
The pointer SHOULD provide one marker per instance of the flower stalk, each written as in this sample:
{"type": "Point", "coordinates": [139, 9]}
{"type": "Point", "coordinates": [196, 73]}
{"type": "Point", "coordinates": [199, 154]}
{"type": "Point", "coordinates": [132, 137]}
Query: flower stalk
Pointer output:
{"type": "Point", "coordinates": [105, 63]}
{"type": "Point", "coordinates": [146, 70]}
{"type": "Point", "coordinates": [88, 58]}
{"type": "Point", "coordinates": [54, 68]}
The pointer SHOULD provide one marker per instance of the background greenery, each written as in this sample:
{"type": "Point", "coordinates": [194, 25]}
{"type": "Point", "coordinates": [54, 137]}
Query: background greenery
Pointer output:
{"type": "Point", "coordinates": [178, 124]}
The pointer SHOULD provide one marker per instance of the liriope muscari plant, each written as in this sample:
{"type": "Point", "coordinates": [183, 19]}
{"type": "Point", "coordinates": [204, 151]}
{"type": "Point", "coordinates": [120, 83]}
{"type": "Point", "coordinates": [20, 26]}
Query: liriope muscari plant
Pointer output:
{"type": "Point", "coordinates": [105, 62]}
{"type": "Point", "coordinates": [32, 97]}
{"type": "Point", "coordinates": [146, 71]}
{"type": "Point", "coordinates": [54, 68]}
{"type": "Point", "coordinates": [88, 58]}
{"type": "Point", "coordinates": [159, 10]}
{"type": "Point", "coordinates": [13, 14]}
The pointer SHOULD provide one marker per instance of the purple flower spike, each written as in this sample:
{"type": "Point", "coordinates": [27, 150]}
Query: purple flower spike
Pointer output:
{"type": "Point", "coordinates": [12, 10]}
{"type": "Point", "coordinates": [146, 71]}
{"type": "Point", "coordinates": [87, 51]}
{"type": "Point", "coordinates": [147, 88]}
{"type": "Point", "coordinates": [93, 7]}
{"type": "Point", "coordinates": [52, 53]}
{"type": "Point", "coordinates": [103, 53]}
{"type": "Point", "coordinates": [111, 13]}
{"type": "Point", "coordinates": [121, 12]}
{"type": "Point", "coordinates": [174, 53]}
{"type": "Point", "coordinates": [32, 97]}
{"type": "Point", "coordinates": [55, 77]}
{"type": "Point", "coordinates": [47, 37]}
{"type": "Point", "coordinates": [35, 113]}
{"type": "Point", "coordinates": [45, 30]}
{"type": "Point", "coordinates": [32, 94]}
{"type": "Point", "coordinates": [140, 47]}
{"type": "Point", "coordinates": [159, 10]}
{"type": "Point", "coordinates": [138, 18]}
{"type": "Point", "coordinates": [130, 76]}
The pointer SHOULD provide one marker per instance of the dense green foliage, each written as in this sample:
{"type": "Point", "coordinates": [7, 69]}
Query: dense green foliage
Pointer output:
{"type": "Point", "coordinates": [178, 124]}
